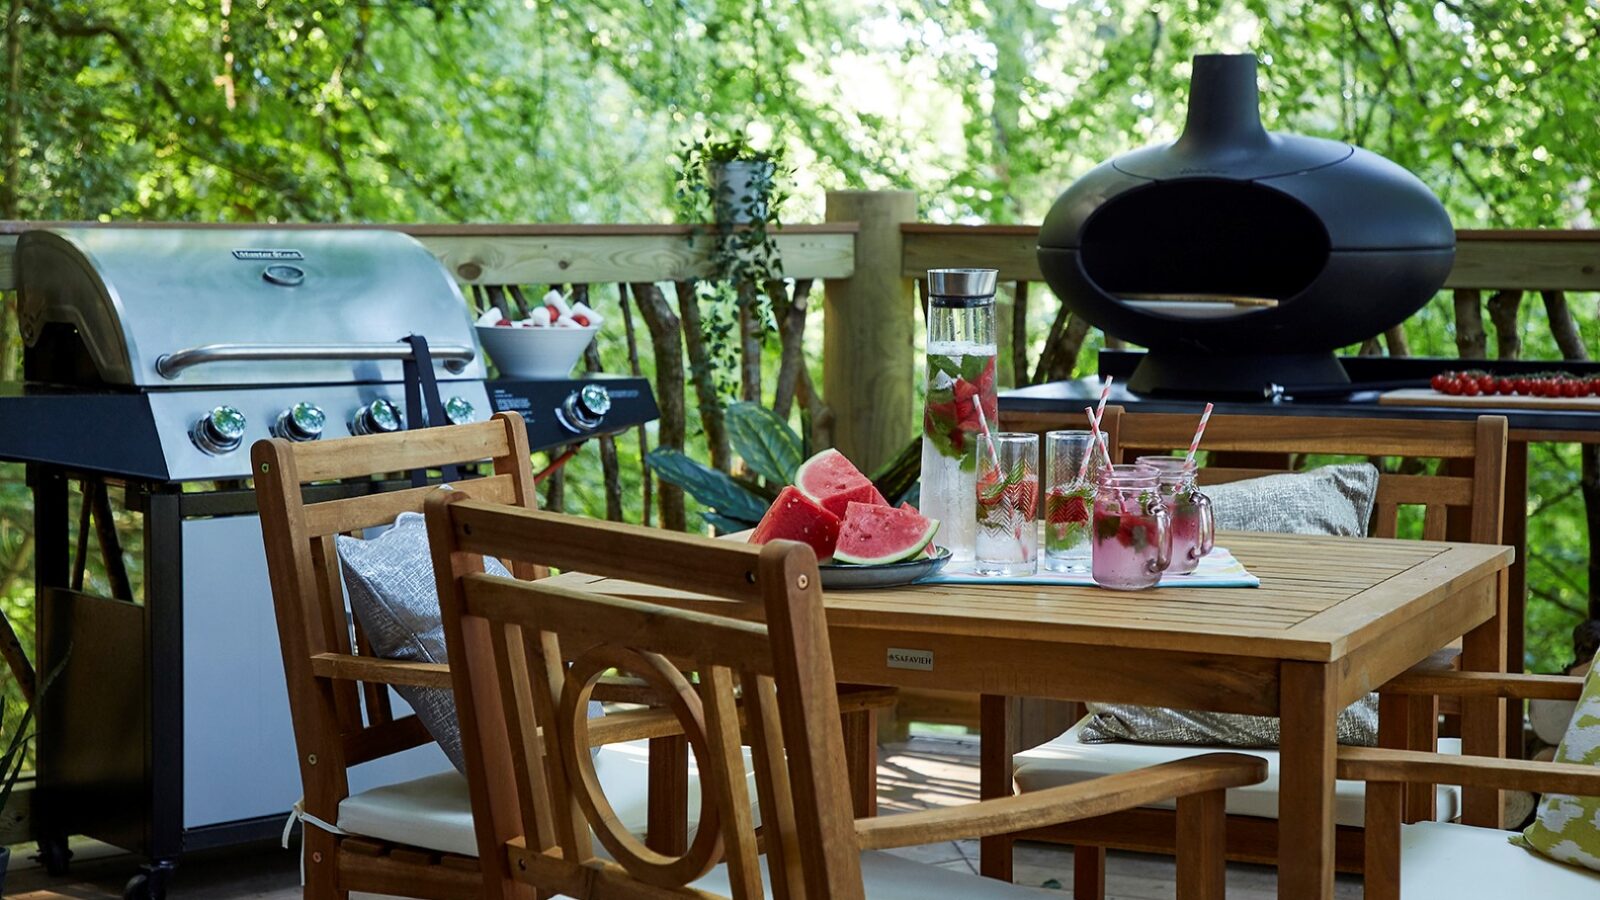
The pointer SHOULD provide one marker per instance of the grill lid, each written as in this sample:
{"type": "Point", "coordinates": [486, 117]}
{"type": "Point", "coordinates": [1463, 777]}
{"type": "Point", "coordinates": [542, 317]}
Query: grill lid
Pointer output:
{"type": "Point", "coordinates": [186, 307]}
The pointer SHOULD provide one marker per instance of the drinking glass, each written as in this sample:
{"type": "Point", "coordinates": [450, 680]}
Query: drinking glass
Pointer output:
{"type": "Point", "coordinates": [1194, 528]}
{"type": "Point", "coordinates": [1132, 541]}
{"type": "Point", "coordinates": [1008, 496]}
{"type": "Point", "coordinates": [1068, 499]}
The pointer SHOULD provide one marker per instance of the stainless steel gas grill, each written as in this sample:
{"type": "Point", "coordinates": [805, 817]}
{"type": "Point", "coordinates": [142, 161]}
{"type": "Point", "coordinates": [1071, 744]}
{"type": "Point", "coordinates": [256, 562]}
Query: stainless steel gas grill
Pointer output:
{"type": "Point", "coordinates": [153, 358]}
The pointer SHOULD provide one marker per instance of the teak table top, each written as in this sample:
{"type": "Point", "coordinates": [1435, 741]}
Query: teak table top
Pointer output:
{"type": "Point", "coordinates": [1320, 599]}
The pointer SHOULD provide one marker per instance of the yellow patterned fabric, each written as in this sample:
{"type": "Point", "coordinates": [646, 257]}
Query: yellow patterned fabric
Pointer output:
{"type": "Point", "coordinates": [1568, 828]}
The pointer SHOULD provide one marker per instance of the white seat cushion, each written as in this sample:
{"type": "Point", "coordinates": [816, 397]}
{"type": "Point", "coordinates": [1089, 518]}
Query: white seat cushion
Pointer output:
{"type": "Point", "coordinates": [435, 812]}
{"type": "Point", "coordinates": [891, 877]}
{"type": "Point", "coordinates": [1441, 861]}
{"type": "Point", "coordinates": [1067, 760]}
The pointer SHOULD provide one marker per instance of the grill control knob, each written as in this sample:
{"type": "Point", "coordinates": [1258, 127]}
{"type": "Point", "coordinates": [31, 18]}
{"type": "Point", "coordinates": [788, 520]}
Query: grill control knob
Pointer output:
{"type": "Point", "coordinates": [219, 431]}
{"type": "Point", "coordinates": [300, 422]}
{"type": "Point", "coordinates": [585, 408]}
{"type": "Point", "coordinates": [378, 417]}
{"type": "Point", "coordinates": [459, 411]}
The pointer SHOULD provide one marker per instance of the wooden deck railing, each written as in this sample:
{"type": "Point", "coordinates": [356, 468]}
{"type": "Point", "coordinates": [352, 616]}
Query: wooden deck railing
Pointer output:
{"type": "Point", "coordinates": [868, 256]}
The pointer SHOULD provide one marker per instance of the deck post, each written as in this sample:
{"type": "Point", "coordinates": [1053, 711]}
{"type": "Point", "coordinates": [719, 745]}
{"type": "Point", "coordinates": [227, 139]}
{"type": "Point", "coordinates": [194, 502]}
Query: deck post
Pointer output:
{"type": "Point", "coordinates": [869, 331]}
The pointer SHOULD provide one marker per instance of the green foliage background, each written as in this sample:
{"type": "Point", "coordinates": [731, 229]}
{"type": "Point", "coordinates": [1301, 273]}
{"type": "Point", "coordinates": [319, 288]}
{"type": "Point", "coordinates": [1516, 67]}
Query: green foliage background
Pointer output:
{"type": "Point", "coordinates": [568, 111]}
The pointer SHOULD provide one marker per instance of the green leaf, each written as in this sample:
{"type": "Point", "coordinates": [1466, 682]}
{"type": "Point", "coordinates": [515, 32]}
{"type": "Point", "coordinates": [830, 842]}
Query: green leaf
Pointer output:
{"type": "Point", "coordinates": [711, 487]}
{"type": "Point", "coordinates": [765, 442]}
{"type": "Point", "coordinates": [725, 524]}
{"type": "Point", "coordinates": [949, 365]}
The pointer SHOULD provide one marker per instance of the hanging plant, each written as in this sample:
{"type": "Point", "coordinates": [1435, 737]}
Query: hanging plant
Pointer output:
{"type": "Point", "coordinates": [734, 187]}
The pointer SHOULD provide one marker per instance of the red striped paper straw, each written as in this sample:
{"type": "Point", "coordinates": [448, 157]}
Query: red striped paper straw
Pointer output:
{"type": "Point", "coordinates": [1105, 393]}
{"type": "Point", "coordinates": [1201, 429]}
{"type": "Point", "coordinates": [1100, 440]}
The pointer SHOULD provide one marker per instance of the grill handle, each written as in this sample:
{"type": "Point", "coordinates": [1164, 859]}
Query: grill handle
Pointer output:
{"type": "Point", "coordinates": [170, 365]}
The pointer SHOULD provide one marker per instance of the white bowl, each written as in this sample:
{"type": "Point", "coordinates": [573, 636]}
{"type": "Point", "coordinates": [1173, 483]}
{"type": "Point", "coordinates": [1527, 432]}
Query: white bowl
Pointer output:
{"type": "Point", "coordinates": [535, 352]}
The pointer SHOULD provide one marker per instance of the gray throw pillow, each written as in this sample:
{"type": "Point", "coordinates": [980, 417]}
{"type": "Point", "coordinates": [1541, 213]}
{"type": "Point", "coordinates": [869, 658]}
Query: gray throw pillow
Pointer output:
{"type": "Point", "coordinates": [1331, 500]}
{"type": "Point", "coordinates": [390, 582]}
{"type": "Point", "coordinates": [1357, 725]}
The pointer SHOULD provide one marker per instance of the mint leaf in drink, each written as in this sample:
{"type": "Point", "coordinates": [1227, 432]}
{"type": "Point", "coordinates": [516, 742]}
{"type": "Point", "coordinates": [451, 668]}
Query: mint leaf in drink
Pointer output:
{"type": "Point", "coordinates": [1106, 527]}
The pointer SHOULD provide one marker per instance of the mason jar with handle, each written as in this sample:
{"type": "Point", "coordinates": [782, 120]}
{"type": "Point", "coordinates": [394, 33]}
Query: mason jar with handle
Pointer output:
{"type": "Point", "coordinates": [1194, 528]}
{"type": "Point", "coordinates": [960, 399]}
{"type": "Point", "coordinates": [1132, 540]}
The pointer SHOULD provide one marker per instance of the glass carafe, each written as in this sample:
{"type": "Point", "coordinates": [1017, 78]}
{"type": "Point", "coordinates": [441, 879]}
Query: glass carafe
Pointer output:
{"type": "Point", "coordinates": [1194, 529]}
{"type": "Point", "coordinates": [1132, 541]}
{"type": "Point", "coordinates": [961, 397]}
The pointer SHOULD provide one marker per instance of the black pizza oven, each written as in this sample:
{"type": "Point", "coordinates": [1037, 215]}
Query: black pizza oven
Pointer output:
{"type": "Point", "coordinates": [1242, 258]}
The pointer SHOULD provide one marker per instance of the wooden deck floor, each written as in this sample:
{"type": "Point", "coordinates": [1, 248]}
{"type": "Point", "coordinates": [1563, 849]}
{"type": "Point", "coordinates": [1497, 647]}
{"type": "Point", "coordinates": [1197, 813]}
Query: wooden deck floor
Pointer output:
{"type": "Point", "coordinates": [926, 771]}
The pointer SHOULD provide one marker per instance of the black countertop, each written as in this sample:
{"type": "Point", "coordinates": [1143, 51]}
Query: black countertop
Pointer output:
{"type": "Point", "coordinates": [1358, 402]}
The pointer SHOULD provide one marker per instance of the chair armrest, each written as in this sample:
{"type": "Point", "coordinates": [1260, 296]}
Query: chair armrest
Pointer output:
{"type": "Point", "coordinates": [1035, 809]}
{"type": "Point", "coordinates": [371, 669]}
{"type": "Point", "coordinates": [404, 673]}
{"type": "Point", "coordinates": [1373, 764]}
{"type": "Point", "coordinates": [1485, 684]}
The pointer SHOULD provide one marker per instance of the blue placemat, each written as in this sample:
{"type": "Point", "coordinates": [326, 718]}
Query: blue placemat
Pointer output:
{"type": "Point", "coordinates": [1218, 570]}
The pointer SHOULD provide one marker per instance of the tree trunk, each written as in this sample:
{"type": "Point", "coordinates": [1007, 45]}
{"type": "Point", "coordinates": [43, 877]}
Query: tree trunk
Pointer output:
{"type": "Point", "coordinates": [1371, 347]}
{"type": "Point", "coordinates": [1059, 358]}
{"type": "Point", "coordinates": [555, 487]}
{"type": "Point", "coordinates": [705, 388]}
{"type": "Point", "coordinates": [666, 334]}
{"type": "Point", "coordinates": [11, 142]}
{"type": "Point", "coordinates": [1019, 336]}
{"type": "Point", "coordinates": [751, 329]}
{"type": "Point", "coordinates": [791, 315]}
{"type": "Point", "coordinates": [646, 483]}
{"type": "Point", "coordinates": [1471, 343]}
{"type": "Point", "coordinates": [1395, 338]}
{"type": "Point", "coordinates": [610, 467]}
{"type": "Point", "coordinates": [1503, 309]}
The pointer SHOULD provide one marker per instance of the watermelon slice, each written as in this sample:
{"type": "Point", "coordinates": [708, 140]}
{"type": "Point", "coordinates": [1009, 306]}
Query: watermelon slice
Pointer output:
{"type": "Point", "coordinates": [929, 550]}
{"type": "Point", "coordinates": [835, 483]}
{"type": "Point", "coordinates": [873, 535]}
{"type": "Point", "coordinates": [796, 517]}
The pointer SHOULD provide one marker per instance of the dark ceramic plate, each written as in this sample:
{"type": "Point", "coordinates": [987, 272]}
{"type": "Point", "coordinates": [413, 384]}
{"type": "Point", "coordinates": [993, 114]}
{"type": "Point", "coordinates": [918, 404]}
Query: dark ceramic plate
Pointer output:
{"type": "Point", "coordinates": [843, 577]}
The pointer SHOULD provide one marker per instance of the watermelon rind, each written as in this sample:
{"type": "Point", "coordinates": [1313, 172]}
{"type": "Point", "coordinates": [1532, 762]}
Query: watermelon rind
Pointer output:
{"type": "Point", "coordinates": [906, 551]}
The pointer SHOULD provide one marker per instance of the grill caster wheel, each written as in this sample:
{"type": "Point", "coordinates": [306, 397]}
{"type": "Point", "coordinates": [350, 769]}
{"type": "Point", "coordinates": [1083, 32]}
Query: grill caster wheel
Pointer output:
{"type": "Point", "coordinates": [150, 884]}
{"type": "Point", "coordinates": [54, 856]}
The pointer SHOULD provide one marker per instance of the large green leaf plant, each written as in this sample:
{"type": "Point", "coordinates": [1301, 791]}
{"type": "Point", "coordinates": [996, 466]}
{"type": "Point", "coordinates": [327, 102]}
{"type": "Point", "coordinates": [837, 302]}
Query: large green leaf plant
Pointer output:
{"type": "Point", "coordinates": [772, 453]}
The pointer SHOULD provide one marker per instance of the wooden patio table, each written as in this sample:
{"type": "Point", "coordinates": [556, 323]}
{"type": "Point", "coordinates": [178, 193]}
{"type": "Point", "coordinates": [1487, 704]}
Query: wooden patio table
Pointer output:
{"type": "Point", "coordinates": [1333, 619]}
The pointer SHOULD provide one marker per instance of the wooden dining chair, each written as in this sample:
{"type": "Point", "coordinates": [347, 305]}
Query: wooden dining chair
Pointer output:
{"type": "Point", "coordinates": [414, 838]}
{"type": "Point", "coordinates": [1463, 502]}
{"type": "Point", "coordinates": [338, 694]}
{"type": "Point", "coordinates": [1447, 861]}
{"type": "Point", "coordinates": [750, 622]}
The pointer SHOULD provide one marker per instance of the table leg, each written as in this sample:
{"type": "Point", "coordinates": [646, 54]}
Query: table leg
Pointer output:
{"type": "Point", "coordinates": [1483, 720]}
{"type": "Point", "coordinates": [861, 758]}
{"type": "Point", "coordinates": [996, 730]}
{"type": "Point", "coordinates": [1514, 531]}
{"type": "Point", "coordinates": [1308, 706]}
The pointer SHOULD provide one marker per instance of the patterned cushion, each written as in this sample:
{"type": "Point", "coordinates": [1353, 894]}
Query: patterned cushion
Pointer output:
{"type": "Point", "coordinates": [1331, 500]}
{"type": "Point", "coordinates": [1567, 828]}
{"type": "Point", "coordinates": [390, 582]}
{"type": "Point", "coordinates": [1358, 726]}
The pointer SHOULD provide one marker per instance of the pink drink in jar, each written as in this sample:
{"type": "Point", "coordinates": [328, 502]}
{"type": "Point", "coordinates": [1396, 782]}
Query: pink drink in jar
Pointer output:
{"type": "Point", "coordinates": [1132, 540]}
{"type": "Point", "coordinates": [1193, 526]}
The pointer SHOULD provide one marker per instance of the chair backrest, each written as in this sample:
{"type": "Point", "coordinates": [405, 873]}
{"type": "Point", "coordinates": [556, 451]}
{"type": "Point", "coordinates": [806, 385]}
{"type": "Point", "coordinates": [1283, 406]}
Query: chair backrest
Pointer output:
{"type": "Point", "coordinates": [1463, 502]}
{"type": "Point", "coordinates": [525, 732]}
{"type": "Point", "coordinates": [340, 721]}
